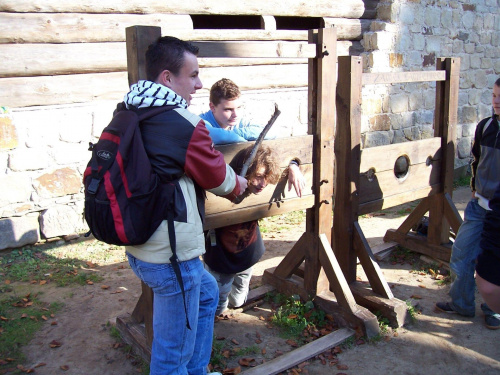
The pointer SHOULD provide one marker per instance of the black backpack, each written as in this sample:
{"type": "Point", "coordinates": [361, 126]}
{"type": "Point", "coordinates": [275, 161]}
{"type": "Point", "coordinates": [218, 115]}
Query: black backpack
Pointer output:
{"type": "Point", "coordinates": [125, 200]}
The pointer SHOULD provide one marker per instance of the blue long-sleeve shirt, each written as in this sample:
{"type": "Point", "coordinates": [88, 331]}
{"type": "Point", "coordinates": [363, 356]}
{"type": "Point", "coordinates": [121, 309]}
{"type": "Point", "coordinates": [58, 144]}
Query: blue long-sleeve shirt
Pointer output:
{"type": "Point", "coordinates": [244, 131]}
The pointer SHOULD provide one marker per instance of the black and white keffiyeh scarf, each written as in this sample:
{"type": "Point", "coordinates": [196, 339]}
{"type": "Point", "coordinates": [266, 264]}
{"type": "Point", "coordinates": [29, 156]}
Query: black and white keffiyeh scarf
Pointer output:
{"type": "Point", "coordinates": [145, 94]}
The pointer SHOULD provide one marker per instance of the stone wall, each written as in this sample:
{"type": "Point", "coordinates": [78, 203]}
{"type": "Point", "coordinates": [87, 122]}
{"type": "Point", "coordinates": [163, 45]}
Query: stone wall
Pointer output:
{"type": "Point", "coordinates": [408, 36]}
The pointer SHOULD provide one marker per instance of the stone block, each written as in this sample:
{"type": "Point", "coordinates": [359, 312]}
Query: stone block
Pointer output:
{"type": "Point", "coordinates": [418, 42]}
{"type": "Point", "coordinates": [458, 46]}
{"type": "Point", "coordinates": [75, 125]}
{"type": "Point", "coordinates": [432, 17]}
{"type": "Point", "coordinates": [467, 114]}
{"type": "Point", "coordinates": [480, 79]}
{"type": "Point", "coordinates": [468, 130]}
{"type": "Point", "coordinates": [412, 133]}
{"type": "Point", "coordinates": [58, 221]}
{"type": "Point", "coordinates": [69, 153]}
{"type": "Point", "coordinates": [395, 60]}
{"type": "Point", "coordinates": [8, 133]}
{"type": "Point", "coordinates": [446, 18]}
{"type": "Point", "coordinates": [375, 139]}
{"type": "Point", "coordinates": [474, 96]}
{"type": "Point", "coordinates": [15, 188]}
{"type": "Point", "coordinates": [37, 127]}
{"type": "Point", "coordinates": [371, 105]}
{"type": "Point", "coordinates": [433, 44]}
{"type": "Point", "coordinates": [19, 231]}
{"type": "Point", "coordinates": [468, 20]}
{"type": "Point", "coordinates": [399, 103]}
{"type": "Point", "coordinates": [464, 146]}
{"type": "Point", "coordinates": [58, 183]}
{"type": "Point", "coordinates": [416, 100]}
{"type": "Point", "coordinates": [29, 159]}
{"type": "Point", "coordinates": [486, 63]}
{"type": "Point", "coordinates": [380, 122]}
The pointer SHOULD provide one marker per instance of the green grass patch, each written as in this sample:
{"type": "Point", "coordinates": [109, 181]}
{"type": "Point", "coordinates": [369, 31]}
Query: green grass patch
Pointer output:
{"type": "Point", "coordinates": [294, 316]}
{"type": "Point", "coordinates": [461, 181]}
{"type": "Point", "coordinates": [280, 223]}
{"type": "Point", "coordinates": [20, 318]}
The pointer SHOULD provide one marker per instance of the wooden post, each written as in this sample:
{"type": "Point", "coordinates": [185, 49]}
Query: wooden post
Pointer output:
{"type": "Point", "coordinates": [322, 82]}
{"type": "Point", "coordinates": [445, 124]}
{"type": "Point", "coordinates": [347, 161]}
{"type": "Point", "coordinates": [138, 39]}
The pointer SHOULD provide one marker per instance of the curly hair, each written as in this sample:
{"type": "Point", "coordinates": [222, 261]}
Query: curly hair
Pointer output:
{"type": "Point", "coordinates": [265, 156]}
{"type": "Point", "coordinates": [224, 89]}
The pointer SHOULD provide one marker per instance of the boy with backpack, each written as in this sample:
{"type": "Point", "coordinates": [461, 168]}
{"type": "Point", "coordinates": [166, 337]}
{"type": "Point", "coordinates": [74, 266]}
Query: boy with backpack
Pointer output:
{"type": "Point", "coordinates": [181, 153]}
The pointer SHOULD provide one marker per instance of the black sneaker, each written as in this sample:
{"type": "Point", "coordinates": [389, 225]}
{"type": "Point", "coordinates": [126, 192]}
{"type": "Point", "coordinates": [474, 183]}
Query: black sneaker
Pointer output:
{"type": "Point", "coordinates": [445, 307]}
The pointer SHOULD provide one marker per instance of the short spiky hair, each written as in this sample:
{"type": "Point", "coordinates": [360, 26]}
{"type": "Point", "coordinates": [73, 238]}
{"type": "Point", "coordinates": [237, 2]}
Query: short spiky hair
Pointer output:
{"type": "Point", "coordinates": [224, 89]}
{"type": "Point", "coordinates": [167, 53]}
{"type": "Point", "coordinates": [265, 156]}
{"type": "Point", "coordinates": [497, 82]}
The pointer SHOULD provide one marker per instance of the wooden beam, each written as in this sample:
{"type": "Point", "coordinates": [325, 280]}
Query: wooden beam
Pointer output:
{"type": "Point", "coordinates": [256, 49]}
{"type": "Point", "coordinates": [451, 213]}
{"type": "Point", "coordinates": [294, 258]}
{"type": "Point", "coordinates": [138, 40]}
{"type": "Point", "coordinates": [301, 354]}
{"type": "Point", "coordinates": [413, 218]}
{"type": "Point", "coordinates": [383, 158]}
{"type": "Point", "coordinates": [347, 162]}
{"type": "Point", "coordinates": [134, 334]}
{"type": "Point", "coordinates": [369, 264]}
{"type": "Point", "coordinates": [419, 244]}
{"type": "Point", "coordinates": [338, 283]}
{"type": "Point", "coordinates": [143, 312]}
{"type": "Point", "coordinates": [296, 8]}
{"type": "Point", "coordinates": [398, 77]}
{"type": "Point", "coordinates": [397, 199]}
{"type": "Point", "coordinates": [351, 29]}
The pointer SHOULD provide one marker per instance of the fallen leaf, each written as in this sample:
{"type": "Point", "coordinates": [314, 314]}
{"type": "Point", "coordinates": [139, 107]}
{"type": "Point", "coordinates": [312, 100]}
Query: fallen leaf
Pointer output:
{"type": "Point", "coordinates": [248, 362]}
{"type": "Point", "coordinates": [44, 317]}
{"type": "Point", "coordinates": [104, 287]}
{"type": "Point", "coordinates": [263, 351]}
{"type": "Point", "coordinates": [261, 318]}
{"type": "Point", "coordinates": [64, 367]}
{"type": "Point", "coordinates": [415, 296]}
{"type": "Point", "coordinates": [7, 282]}
{"type": "Point", "coordinates": [226, 354]}
{"type": "Point", "coordinates": [53, 323]}
{"type": "Point", "coordinates": [90, 282]}
{"type": "Point", "coordinates": [292, 343]}
{"type": "Point", "coordinates": [258, 341]}
{"type": "Point", "coordinates": [24, 316]}
{"type": "Point", "coordinates": [232, 371]}
{"type": "Point", "coordinates": [235, 342]}
{"type": "Point", "coordinates": [4, 318]}
{"type": "Point", "coordinates": [54, 344]}
{"type": "Point", "coordinates": [422, 286]}
{"type": "Point", "coordinates": [43, 282]}
{"type": "Point", "coordinates": [343, 367]}
{"type": "Point", "coordinates": [40, 364]}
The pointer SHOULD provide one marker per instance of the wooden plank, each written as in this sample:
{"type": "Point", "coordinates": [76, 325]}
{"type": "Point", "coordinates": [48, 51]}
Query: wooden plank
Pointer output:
{"type": "Point", "coordinates": [338, 283]}
{"type": "Point", "coordinates": [299, 355]}
{"type": "Point", "coordinates": [222, 219]}
{"type": "Point", "coordinates": [451, 213]}
{"type": "Point", "coordinates": [413, 218]}
{"type": "Point", "coordinates": [297, 8]}
{"type": "Point", "coordinates": [272, 195]}
{"type": "Point", "coordinates": [82, 28]}
{"type": "Point", "coordinates": [397, 199]}
{"type": "Point", "coordinates": [65, 89]}
{"type": "Point", "coordinates": [256, 49]}
{"type": "Point", "coordinates": [289, 286]}
{"type": "Point", "coordinates": [386, 183]}
{"type": "Point", "coordinates": [397, 77]}
{"type": "Point", "coordinates": [298, 147]}
{"type": "Point", "coordinates": [383, 158]}
{"type": "Point", "coordinates": [370, 266]}
{"type": "Point", "coordinates": [134, 335]}
{"type": "Point", "coordinates": [294, 258]}
{"type": "Point", "coordinates": [143, 312]}
{"type": "Point", "coordinates": [351, 29]}
{"type": "Point", "coordinates": [419, 244]}
{"type": "Point", "coordinates": [258, 293]}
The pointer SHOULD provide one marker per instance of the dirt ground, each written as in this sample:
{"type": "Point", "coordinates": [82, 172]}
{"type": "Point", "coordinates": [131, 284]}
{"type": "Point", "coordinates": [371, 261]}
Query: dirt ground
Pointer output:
{"type": "Point", "coordinates": [435, 343]}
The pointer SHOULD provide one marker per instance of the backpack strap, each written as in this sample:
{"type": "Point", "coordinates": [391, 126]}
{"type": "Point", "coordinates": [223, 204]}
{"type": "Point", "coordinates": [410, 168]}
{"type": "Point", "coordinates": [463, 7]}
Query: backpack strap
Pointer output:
{"type": "Point", "coordinates": [487, 124]}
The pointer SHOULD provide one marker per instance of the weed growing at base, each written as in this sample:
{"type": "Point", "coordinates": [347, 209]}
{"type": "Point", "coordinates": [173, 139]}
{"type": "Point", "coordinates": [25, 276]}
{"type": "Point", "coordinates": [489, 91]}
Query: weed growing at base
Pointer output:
{"type": "Point", "coordinates": [294, 316]}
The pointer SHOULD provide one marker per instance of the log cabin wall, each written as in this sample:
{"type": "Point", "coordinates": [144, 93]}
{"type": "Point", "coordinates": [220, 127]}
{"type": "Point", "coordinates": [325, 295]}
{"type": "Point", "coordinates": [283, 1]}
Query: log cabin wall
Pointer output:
{"type": "Point", "coordinates": [64, 69]}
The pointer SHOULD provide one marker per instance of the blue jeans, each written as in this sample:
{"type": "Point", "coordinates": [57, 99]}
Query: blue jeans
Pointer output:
{"type": "Point", "coordinates": [463, 260]}
{"type": "Point", "coordinates": [177, 350]}
{"type": "Point", "coordinates": [233, 288]}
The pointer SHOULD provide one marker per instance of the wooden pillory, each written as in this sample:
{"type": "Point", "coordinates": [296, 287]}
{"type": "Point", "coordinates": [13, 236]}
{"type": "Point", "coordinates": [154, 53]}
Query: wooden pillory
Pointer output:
{"type": "Point", "coordinates": [322, 263]}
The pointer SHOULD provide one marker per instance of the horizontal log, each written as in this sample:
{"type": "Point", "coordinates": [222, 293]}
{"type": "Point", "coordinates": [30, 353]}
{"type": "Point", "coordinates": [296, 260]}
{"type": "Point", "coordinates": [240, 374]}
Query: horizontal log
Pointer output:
{"type": "Point", "coordinates": [271, 195]}
{"type": "Point", "coordinates": [386, 183]}
{"type": "Point", "coordinates": [80, 58]}
{"type": "Point", "coordinates": [299, 147]}
{"type": "Point", "coordinates": [297, 8]}
{"type": "Point", "coordinates": [93, 28]}
{"type": "Point", "coordinates": [256, 49]}
{"type": "Point", "coordinates": [398, 77]}
{"type": "Point", "coordinates": [222, 219]}
{"type": "Point", "coordinates": [383, 158]}
{"type": "Point", "coordinates": [18, 92]}
{"type": "Point", "coordinates": [81, 28]}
